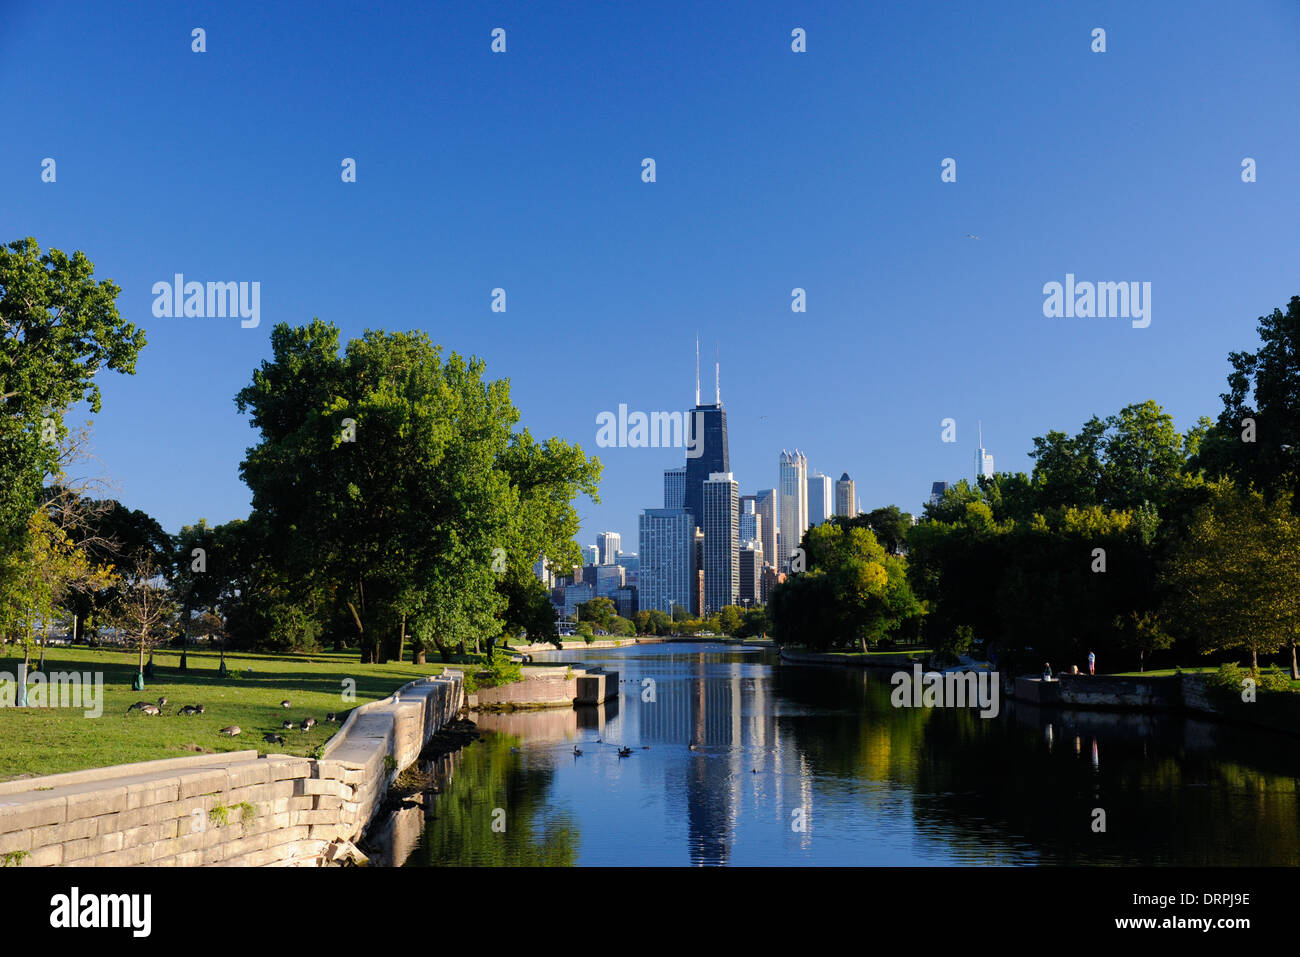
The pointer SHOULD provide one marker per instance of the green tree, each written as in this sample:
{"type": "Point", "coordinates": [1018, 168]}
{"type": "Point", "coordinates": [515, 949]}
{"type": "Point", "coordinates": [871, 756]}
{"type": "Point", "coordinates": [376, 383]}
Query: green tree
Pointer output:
{"type": "Point", "coordinates": [1264, 386]}
{"type": "Point", "coordinates": [59, 329]}
{"type": "Point", "coordinates": [1234, 577]}
{"type": "Point", "coordinates": [599, 611]}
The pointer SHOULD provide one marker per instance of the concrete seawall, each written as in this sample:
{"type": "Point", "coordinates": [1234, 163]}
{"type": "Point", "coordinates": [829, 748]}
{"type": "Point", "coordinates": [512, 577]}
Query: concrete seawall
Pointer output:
{"type": "Point", "coordinates": [233, 809]}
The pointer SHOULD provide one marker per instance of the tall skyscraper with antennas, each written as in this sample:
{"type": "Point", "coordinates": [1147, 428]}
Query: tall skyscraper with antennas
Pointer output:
{"type": "Point", "coordinates": [706, 452]}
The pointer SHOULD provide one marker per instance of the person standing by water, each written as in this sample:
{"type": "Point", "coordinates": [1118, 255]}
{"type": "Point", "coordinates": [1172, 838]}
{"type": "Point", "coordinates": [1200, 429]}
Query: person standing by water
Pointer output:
{"type": "Point", "coordinates": [1092, 663]}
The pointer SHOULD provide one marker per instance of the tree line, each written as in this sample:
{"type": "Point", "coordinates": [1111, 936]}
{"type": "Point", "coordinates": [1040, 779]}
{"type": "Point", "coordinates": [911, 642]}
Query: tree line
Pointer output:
{"type": "Point", "coordinates": [396, 503]}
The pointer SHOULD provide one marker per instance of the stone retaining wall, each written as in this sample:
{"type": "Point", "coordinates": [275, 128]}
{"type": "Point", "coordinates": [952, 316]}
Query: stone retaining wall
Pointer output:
{"type": "Point", "coordinates": [233, 809]}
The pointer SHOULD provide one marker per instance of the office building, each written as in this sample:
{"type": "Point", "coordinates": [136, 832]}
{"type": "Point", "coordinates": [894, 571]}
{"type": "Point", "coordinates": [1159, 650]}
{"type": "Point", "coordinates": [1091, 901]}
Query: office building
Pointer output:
{"type": "Point", "coordinates": [607, 547]}
{"type": "Point", "coordinates": [590, 555]}
{"type": "Point", "coordinates": [630, 562]}
{"type": "Point", "coordinates": [666, 553]}
{"type": "Point", "coordinates": [846, 497]}
{"type": "Point", "coordinates": [721, 541]}
{"type": "Point", "coordinates": [937, 491]}
{"type": "Point", "coordinates": [750, 592]}
{"type": "Point", "coordinates": [821, 498]}
{"type": "Point", "coordinates": [706, 452]}
{"type": "Point", "coordinates": [793, 491]}
{"type": "Point", "coordinates": [765, 506]}
{"type": "Point", "coordinates": [983, 459]}
{"type": "Point", "coordinates": [751, 527]}
{"type": "Point", "coordinates": [675, 487]}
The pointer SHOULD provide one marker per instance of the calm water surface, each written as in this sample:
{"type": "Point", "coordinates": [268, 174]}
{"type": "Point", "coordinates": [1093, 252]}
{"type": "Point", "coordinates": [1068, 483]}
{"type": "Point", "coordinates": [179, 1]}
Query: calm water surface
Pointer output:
{"type": "Point", "coordinates": [872, 784]}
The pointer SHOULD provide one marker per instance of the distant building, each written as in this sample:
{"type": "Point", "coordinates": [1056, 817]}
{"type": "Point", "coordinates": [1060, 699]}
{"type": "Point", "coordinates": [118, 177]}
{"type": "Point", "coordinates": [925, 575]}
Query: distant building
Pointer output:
{"type": "Point", "coordinates": [793, 489]}
{"type": "Point", "coordinates": [675, 487]}
{"type": "Point", "coordinates": [590, 555]}
{"type": "Point", "coordinates": [846, 497]}
{"type": "Point", "coordinates": [606, 579]}
{"type": "Point", "coordinates": [771, 578]}
{"type": "Point", "coordinates": [983, 460]}
{"type": "Point", "coordinates": [666, 553]}
{"type": "Point", "coordinates": [751, 526]}
{"type": "Point", "coordinates": [697, 593]}
{"type": "Point", "coordinates": [750, 592]}
{"type": "Point", "coordinates": [937, 491]}
{"type": "Point", "coordinates": [575, 595]}
{"type": "Point", "coordinates": [721, 541]}
{"type": "Point", "coordinates": [607, 546]}
{"type": "Point", "coordinates": [765, 506]}
{"type": "Point", "coordinates": [626, 601]}
{"type": "Point", "coordinates": [821, 498]}
{"type": "Point", "coordinates": [630, 562]}
{"type": "Point", "coordinates": [542, 569]}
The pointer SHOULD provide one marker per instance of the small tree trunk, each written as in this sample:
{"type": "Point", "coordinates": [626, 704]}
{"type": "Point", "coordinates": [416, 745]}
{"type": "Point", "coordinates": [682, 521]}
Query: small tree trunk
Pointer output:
{"type": "Point", "coordinates": [1254, 659]}
{"type": "Point", "coordinates": [418, 656]}
{"type": "Point", "coordinates": [1295, 671]}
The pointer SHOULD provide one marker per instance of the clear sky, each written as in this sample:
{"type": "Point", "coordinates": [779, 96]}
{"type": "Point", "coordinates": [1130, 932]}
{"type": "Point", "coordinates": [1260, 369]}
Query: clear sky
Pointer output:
{"type": "Point", "coordinates": [775, 170]}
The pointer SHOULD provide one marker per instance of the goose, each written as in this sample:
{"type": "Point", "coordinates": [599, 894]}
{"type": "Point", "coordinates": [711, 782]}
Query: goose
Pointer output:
{"type": "Point", "coordinates": [624, 752]}
{"type": "Point", "coordinates": [515, 750]}
{"type": "Point", "coordinates": [199, 708]}
{"type": "Point", "coordinates": [287, 725]}
{"type": "Point", "coordinates": [331, 717]}
{"type": "Point", "coordinates": [162, 702]}
{"type": "Point", "coordinates": [285, 703]}
{"type": "Point", "coordinates": [577, 752]}
{"type": "Point", "coordinates": [308, 724]}
{"type": "Point", "coordinates": [139, 706]}
{"type": "Point", "coordinates": [230, 732]}
{"type": "Point", "coordinates": [150, 709]}
{"type": "Point", "coordinates": [693, 746]}
{"type": "Point", "coordinates": [188, 709]}
{"type": "Point", "coordinates": [273, 738]}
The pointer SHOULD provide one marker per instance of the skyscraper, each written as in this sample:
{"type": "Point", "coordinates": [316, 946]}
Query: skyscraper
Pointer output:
{"type": "Point", "coordinates": [666, 549]}
{"type": "Point", "coordinates": [821, 498]}
{"type": "Point", "coordinates": [750, 592]}
{"type": "Point", "coordinates": [707, 439]}
{"type": "Point", "coordinates": [590, 555]}
{"type": "Point", "coordinates": [936, 492]}
{"type": "Point", "coordinates": [751, 529]}
{"type": "Point", "coordinates": [675, 487]}
{"type": "Point", "coordinates": [983, 459]}
{"type": "Point", "coordinates": [793, 487]}
{"type": "Point", "coordinates": [846, 497]}
{"type": "Point", "coordinates": [607, 547]}
{"type": "Point", "coordinates": [766, 507]}
{"type": "Point", "coordinates": [721, 541]}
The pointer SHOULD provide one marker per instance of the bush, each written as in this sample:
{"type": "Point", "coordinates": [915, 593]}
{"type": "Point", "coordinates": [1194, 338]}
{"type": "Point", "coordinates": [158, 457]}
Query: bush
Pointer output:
{"type": "Point", "coordinates": [1230, 676]}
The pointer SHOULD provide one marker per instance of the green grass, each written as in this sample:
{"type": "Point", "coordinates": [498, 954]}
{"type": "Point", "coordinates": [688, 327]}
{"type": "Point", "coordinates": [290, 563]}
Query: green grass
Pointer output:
{"type": "Point", "coordinates": [1159, 672]}
{"type": "Point", "coordinates": [51, 740]}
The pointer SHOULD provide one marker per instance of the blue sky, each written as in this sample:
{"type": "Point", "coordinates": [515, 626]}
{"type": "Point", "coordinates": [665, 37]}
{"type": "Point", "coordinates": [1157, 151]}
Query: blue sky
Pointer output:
{"type": "Point", "coordinates": [775, 170]}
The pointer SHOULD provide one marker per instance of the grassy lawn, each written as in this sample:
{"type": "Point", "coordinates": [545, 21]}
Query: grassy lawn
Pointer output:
{"type": "Point", "coordinates": [50, 740]}
{"type": "Point", "coordinates": [1162, 672]}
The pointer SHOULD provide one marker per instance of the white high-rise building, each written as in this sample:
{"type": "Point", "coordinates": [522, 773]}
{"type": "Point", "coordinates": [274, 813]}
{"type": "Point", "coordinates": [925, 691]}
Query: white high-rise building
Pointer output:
{"type": "Point", "coordinates": [793, 491]}
{"type": "Point", "coordinates": [608, 545]}
{"type": "Point", "coordinates": [666, 549]}
{"type": "Point", "coordinates": [846, 497]}
{"type": "Point", "coordinates": [721, 541]}
{"type": "Point", "coordinates": [821, 498]}
{"type": "Point", "coordinates": [983, 459]}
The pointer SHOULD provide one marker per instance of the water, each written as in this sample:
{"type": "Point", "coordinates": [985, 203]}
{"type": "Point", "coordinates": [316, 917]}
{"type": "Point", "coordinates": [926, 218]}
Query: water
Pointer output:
{"type": "Point", "coordinates": [781, 746]}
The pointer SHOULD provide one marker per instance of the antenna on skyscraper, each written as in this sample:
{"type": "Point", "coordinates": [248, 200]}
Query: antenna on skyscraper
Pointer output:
{"type": "Point", "coordinates": [717, 377]}
{"type": "Point", "coordinates": [697, 368]}
{"type": "Point", "coordinates": [981, 426]}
